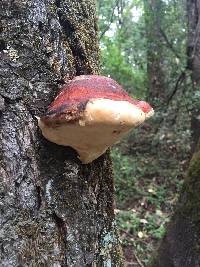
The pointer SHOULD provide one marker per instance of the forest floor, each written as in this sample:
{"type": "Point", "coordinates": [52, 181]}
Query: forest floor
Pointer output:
{"type": "Point", "coordinates": [149, 170]}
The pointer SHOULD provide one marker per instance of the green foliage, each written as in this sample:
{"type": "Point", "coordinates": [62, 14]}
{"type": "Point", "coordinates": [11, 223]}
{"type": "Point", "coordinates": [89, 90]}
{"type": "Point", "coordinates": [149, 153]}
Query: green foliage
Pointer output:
{"type": "Point", "coordinates": [115, 66]}
{"type": "Point", "coordinates": [143, 197]}
{"type": "Point", "coordinates": [106, 14]}
{"type": "Point", "coordinates": [123, 45]}
{"type": "Point", "coordinates": [147, 181]}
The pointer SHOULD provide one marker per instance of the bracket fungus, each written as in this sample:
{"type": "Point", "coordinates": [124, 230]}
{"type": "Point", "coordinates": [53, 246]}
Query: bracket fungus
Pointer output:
{"type": "Point", "coordinates": [90, 114]}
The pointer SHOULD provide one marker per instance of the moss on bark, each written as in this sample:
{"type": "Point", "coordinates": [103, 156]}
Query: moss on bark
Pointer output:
{"type": "Point", "coordinates": [192, 189]}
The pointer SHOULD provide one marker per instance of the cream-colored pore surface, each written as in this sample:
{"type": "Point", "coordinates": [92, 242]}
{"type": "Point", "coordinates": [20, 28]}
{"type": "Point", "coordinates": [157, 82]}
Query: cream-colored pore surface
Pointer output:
{"type": "Point", "coordinates": [103, 123]}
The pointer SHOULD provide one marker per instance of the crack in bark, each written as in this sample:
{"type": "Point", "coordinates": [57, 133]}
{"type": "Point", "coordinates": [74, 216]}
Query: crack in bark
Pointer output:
{"type": "Point", "coordinates": [2, 45]}
{"type": "Point", "coordinates": [69, 30]}
{"type": "Point", "coordinates": [9, 101]}
{"type": "Point", "coordinates": [39, 197]}
{"type": "Point", "coordinates": [57, 3]}
{"type": "Point", "coordinates": [73, 37]}
{"type": "Point", "coordinates": [62, 231]}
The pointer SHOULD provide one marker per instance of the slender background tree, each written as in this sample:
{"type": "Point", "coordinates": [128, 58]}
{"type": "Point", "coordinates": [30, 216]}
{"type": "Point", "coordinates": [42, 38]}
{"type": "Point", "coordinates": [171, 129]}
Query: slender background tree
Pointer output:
{"type": "Point", "coordinates": [193, 53]}
{"type": "Point", "coordinates": [154, 15]}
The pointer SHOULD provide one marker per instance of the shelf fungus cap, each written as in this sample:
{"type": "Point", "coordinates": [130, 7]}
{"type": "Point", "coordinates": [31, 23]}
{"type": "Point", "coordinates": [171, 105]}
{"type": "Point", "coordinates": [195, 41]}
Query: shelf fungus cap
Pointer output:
{"type": "Point", "coordinates": [90, 114]}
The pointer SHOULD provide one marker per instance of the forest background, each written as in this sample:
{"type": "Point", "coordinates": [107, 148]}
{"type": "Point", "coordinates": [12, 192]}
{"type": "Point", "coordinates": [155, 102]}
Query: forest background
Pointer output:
{"type": "Point", "coordinates": [55, 211]}
{"type": "Point", "coordinates": [145, 46]}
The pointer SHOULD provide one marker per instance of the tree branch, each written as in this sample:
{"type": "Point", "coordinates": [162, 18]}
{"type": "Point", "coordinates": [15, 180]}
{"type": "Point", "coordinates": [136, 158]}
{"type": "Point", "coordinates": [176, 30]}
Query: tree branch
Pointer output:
{"type": "Point", "coordinates": [179, 81]}
{"type": "Point", "coordinates": [168, 43]}
{"type": "Point", "coordinates": [110, 21]}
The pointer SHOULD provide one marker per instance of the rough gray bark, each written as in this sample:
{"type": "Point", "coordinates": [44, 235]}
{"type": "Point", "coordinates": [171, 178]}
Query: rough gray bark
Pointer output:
{"type": "Point", "coordinates": [54, 211]}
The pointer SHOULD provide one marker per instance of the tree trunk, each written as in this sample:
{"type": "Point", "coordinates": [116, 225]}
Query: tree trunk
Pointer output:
{"type": "Point", "coordinates": [156, 77]}
{"type": "Point", "coordinates": [193, 53]}
{"type": "Point", "coordinates": [54, 211]}
{"type": "Point", "coordinates": [181, 244]}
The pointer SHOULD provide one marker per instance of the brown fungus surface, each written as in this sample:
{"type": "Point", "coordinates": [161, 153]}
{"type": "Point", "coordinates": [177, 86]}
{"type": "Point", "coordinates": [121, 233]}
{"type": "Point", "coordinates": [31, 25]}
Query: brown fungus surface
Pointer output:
{"type": "Point", "coordinates": [90, 114]}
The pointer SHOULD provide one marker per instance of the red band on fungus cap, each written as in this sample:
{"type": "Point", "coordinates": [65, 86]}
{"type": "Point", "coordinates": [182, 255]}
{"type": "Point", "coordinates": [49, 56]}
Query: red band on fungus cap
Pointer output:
{"type": "Point", "coordinates": [146, 108]}
{"type": "Point", "coordinates": [90, 114]}
{"type": "Point", "coordinates": [80, 90]}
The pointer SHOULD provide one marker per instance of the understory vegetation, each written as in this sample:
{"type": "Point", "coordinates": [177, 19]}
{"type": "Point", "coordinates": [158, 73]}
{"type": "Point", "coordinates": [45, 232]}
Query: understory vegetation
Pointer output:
{"type": "Point", "coordinates": [143, 47]}
{"type": "Point", "coordinates": [149, 172]}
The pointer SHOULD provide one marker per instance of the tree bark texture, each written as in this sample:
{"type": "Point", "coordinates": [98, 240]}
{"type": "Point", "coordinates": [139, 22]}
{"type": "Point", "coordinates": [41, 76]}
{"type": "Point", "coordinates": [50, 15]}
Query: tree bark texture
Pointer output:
{"type": "Point", "coordinates": [54, 211]}
{"type": "Point", "coordinates": [193, 53]}
{"type": "Point", "coordinates": [181, 244]}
